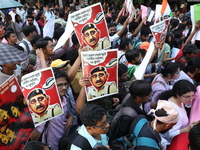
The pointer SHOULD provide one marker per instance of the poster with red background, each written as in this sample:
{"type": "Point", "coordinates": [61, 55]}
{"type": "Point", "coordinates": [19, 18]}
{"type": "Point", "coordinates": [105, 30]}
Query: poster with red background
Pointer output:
{"type": "Point", "coordinates": [105, 61]}
{"type": "Point", "coordinates": [42, 79]}
{"type": "Point", "coordinates": [91, 15]}
{"type": "Point", "coordinates": [16, 124]}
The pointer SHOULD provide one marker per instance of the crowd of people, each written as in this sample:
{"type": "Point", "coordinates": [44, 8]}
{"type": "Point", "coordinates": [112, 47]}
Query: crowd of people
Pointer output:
{"type": "Point", "coordinates": [168, 95]}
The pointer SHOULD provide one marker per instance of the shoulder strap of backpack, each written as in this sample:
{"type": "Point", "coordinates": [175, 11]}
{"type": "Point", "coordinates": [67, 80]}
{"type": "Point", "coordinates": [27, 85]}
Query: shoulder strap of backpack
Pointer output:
{"type": "Point", "coordinates": [143, 141]}
{"type": "Point", "coordinates": [121, 57]}
{"type": "Point", "coordinates": [128, 111]}
{"type": "Point", "coordinates": [125, 98]}
{"type": "Point", "coordinates": [80, 141]}
{"type": "Point", "coordinates": [26, 44]}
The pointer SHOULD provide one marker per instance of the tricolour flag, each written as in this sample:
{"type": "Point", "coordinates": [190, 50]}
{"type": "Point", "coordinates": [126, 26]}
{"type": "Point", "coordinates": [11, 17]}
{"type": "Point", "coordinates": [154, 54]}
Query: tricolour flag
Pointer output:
{"type": "Point", "coordinates": [166, 9]}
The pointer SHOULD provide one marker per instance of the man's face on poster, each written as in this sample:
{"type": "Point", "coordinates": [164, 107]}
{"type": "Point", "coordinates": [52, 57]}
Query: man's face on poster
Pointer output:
{"type": "Point", "coordinates": [39, 103]}
{"type": "Point", "coordinates": [91, 37]}
{"type": "Point", "coordinates": [99, 78]}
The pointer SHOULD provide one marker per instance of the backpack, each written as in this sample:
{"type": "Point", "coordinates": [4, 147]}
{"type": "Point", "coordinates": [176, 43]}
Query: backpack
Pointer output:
{"type": "Point", "coordinates": [26, 44]}
{"type": "Point", "coordinates": [131, 141]}
{"type": "Point", "coordinates": [118, 113]}
{"type": "Point", "coordinates": [71, 136]}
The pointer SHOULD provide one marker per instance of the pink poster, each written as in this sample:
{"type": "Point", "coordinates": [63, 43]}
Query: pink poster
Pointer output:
{"type": "Point", "coordinates": [16, 124]}
{"type": "Point", "coordinates": [40, 91]}
{"type": "Point", "coordinates": [91, 28]}
{"type": "Point", "coordinates": [102, 69]}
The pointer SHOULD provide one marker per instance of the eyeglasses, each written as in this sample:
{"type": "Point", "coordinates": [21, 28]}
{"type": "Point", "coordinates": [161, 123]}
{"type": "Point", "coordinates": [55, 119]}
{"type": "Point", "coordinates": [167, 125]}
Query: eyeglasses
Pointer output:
{"type": "Point", "coordinates": [39, 99]}
{"type": "Point", "coordinates": [103, 125]}
{"type": "Point", "coordinates": [90, 33]}
{"type": "Point", "coordinates": [100, 75]}
{"type": "Point", "coordinates": [61, 85]}
{"type": "Point", "coordinates": [178, 74]}
{"type": "Point", "coordinates": [30, 20]}
{"type": "Point", "coordinates": [189, 97]}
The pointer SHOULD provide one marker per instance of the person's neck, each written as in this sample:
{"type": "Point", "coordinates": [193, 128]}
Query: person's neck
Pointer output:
{"type": "Point", "coordinates": [166, 79]}
{"type": "Point", "coordinates": [28, 38]}
{"type": "Point", "coordinates": [11, 43]}
{"type": "Point", "coordinates": [176, 101]}
{"type": "Point", "coordinates": [8, 72]}
{"type": "Point", "coordinates": [158, 128]}
{"type": "Point", "coordinates": [191, 74]}
{"type": "Point", "coordinates": [47, 57]}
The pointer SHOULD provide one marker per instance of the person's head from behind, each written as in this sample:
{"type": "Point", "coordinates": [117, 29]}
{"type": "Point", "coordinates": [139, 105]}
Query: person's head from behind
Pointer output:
{"type": "Point", "coordinates": [122, 19]}
{"type": "Point", "coordinates": [75, 41]}
{"type": "Point", "coordinates": [29, 31]}
{"type": "Point", "coordinates": [112, 29]}
{"type": "Point", "coordinates": [194, 137]}
{"type": "Point", "coordinates": [190, 50]}
{"type": "Point", "coordinates": [133, 56]}
{"type": "Point", "coordinates": [122, 72]}
{"type": "Point", "coordinates": [36, 145]}
{"type": "Point", "coordinates": [61, 13]}
{"type": "Point", "coordinates": [193, 66]}
{"type": "Point", "coordinates": [184, 91]}
{"type": "Point", "coordinates": [125, 44]}
{"type": "Point", "coordinates": [174, 23]}
{"type": "Point", "coordinates": [61, 81]}
{"type": "Point", "coordinates": [38, 101]}
{"type": "Point", "coordinates": [108, 19]}
{"type": "Point", "coordinates": [177, 43]}
{"type": "Point", "coordinates": [90, 34]}
{"type": "Point", "coordinates": [47, 45]}
{"type": "Point", "coordinates": [170, 71]}
{"type": "Point", "coordinates": [10, 37]}
{"type": "Point", "coordinates": [34, 39]}
{"type": "Point", "coordinates": [140, 91]}
{"type": "Point", "coordinates": [145, 34]}
{"type": "Point", "coordinates": [133, 25]}
{"type": "Point", "coordinates": [166, 116]}
{"type": "Point", "coordinates": [58, 33]}
{"type": "Point", "coordinates": [94, 119]}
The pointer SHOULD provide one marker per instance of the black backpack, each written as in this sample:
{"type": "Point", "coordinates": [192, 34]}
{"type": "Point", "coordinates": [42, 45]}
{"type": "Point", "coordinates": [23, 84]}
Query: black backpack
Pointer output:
{"type": "Point", "coordinates": [71, 136]}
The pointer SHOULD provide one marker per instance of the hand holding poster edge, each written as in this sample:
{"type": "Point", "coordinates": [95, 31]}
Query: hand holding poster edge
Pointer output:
{"type": "Point", "coordinates": [139, 73]}
{"type": "Point", "coordinates": [66, 35]}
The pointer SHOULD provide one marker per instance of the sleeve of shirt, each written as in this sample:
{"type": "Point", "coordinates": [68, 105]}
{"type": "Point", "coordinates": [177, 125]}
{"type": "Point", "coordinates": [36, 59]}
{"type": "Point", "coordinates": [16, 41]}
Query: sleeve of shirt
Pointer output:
{"type": "Point", "coordinates": [114, 37]}
{"type": "Point", "coordinates": [40, 127]}
{"type": "Point", "coordinates": [175, 130]}
{"type": "Point", "coordinates": [37, 64]}
{"type": "Point", "coordinates": [59, 52]}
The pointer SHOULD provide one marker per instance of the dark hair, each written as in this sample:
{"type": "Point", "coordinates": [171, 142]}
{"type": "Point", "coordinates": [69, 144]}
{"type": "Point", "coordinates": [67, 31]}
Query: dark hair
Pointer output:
{"type": "Point", "coordinates": [131, 54]}
{"type": "Point", "coordinates": [111, 25]}
{"type": "Point", "coordinates": [133, 25]}
{"type": "Point", "coordinates": [33, 145]}
{"type": "Point", "coordinates": [35, 38]}
{"type": "Point", "coordinates": [108, 19]}
{"type": "Point", "coordinates": [174, 23]}
{"type": "Point", "coordinates": [181, 27]}
{"type": "Point", "coordinates": [143, 52]}
{"type": "Point", "coordinates": [58, 33]}
{"type": "Point", "coordinates": [177, 42]}
{"type": "Point", "coordinates": [57, 26]}
{"type": "Point", "coordinates": [71, 55]}
{"type": "Point", "coordinates": [74, 39]}
{"type": "Point", "coordinates": [177, 33]}
{"type": "Point", "coordinates": [43, 42]}
{"type": "Point", "coordinates": [91, 114]}
{"type": "Point", "coordinates": [124, 42]}
{"type": "Point", "coordinates": [124, 33]}
{"type": "Point", "coordinates": [60, 74]}
{"type": "Point", "coordinates": [197, 43]}
{"type": "Point", "coordinates": [30, 10]}
{"type": "Point", "coordinates": [194, 137]}
{"type": "Point", "coordinates": [16, 18]}
{"type": "Point", "coordinates": [8, 33]}
{"type": "Point", "coordinates": [30, 16]}
{"type": "Point", "coordinates": [39, 15]}
{"type": "Point", "coordinates": [169, 68]}
{"type": "Point", "coordinates": [140, 88]}
{"type": "Point", "coordinates": [100, 148]}
{"type": "Point", "coordinates": [122, 19]}
{"type": "Point", "coordinates": [61, 13]}
{"type": "Point", "coordinates": [9, 29]}
{"type": "Point", "coordinates": [122, 68]}
{"type": "Point", "coordinates": [28, 29]}
{"type": "Point", "coordinates": [145, 31]}
{"type": "Point", "coordinates": [160, 113]}
{"type": "Point", "coordinates": [193, 64]}
{"type": "Point", "coordinates": [180, 87]}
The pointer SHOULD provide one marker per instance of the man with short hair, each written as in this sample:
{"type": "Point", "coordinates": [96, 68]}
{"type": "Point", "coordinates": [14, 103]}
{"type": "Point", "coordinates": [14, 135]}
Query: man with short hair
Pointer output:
{"type": "Point", "coordinates": [95, 126]}
{"type": "Point", "coordinates": [39, 104]}
{"type": "Point", "coordinates": [91, 36]}
{"type": "Point", "coordinates": [99, 77]}
{"type": "Point", "coordinates": [61, 18]}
